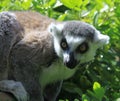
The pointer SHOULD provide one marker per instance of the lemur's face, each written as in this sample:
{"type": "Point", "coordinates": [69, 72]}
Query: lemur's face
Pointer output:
{"type": "Point", "coordinates": [76, 42]}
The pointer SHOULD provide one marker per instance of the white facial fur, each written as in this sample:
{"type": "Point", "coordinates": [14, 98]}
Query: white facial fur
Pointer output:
{"type": "Point", "coordinates": [100, 38]}
{"type": "Point", "coordinates": [98, 41]}
{"type": "Point", "coordinates": [89, 55]}
{"type": "Point", "coordinates": [56, 30]}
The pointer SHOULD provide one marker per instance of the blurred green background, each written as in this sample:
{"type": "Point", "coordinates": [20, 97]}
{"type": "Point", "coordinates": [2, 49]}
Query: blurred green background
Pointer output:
{"type": "Point", "coordinates": [100, 79]}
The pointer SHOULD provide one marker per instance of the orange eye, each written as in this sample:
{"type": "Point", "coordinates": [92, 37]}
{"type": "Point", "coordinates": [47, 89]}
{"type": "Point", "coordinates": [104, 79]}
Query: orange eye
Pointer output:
{"type": "Point", "coordinates": [82, 48]}
{"type": "Point", "coordinates": [64, 44]}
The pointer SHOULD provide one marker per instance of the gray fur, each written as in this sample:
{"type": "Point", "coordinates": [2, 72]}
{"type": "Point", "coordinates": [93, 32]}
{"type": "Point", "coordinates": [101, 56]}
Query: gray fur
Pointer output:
{"type": "Point", "coordinates": [10, 33]}
{"type": "Point", "coordinates": [16, 88]}
{"type": "Point", "coordinates": [79, 29]}
{"type": "Point", "coordinates": [28, 53]}
{"type": "Point", "coordinates": [22, 58]}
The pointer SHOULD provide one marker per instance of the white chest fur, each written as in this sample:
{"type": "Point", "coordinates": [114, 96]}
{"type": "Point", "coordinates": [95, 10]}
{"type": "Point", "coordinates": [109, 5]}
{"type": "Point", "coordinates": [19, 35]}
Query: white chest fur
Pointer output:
{"type": "Point", "coordinates": [56, 72]}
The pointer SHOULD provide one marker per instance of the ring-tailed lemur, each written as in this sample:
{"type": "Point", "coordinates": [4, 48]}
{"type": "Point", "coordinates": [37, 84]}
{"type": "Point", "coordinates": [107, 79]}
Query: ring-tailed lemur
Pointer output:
{"type": "Point", "coordinates": [37, 53]}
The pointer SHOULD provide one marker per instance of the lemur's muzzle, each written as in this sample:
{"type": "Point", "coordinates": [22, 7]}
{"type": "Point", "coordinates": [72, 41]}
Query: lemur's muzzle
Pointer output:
{"type": "Point", "coordinates": [69, 60]}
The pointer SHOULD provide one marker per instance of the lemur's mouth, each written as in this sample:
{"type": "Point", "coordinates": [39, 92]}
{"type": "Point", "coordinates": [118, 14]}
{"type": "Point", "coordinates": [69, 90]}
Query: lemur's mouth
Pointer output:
{"type": "Point", "coordinates": [71, 64]}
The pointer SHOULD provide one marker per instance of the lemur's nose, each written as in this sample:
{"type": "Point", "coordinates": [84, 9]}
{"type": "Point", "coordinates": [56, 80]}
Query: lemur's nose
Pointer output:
{"type": "Point", "coordinates": [69, 60]}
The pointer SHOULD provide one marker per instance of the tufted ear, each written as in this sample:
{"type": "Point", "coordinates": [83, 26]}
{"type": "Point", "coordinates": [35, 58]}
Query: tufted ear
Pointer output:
{"type": "Point", "coordinates": [101, 39]}
{"type": "Point", "coordinates": [55, 29]}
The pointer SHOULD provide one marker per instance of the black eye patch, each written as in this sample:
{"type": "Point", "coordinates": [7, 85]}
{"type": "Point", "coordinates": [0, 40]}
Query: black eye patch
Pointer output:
{"type": "Point", "coordinates": [64, 44]}
{"type": "Point", "coordinates": [82, 48]}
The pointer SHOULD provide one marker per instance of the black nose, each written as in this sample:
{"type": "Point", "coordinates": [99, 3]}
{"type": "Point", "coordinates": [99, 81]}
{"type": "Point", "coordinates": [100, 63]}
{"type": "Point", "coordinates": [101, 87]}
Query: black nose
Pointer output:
{"type": "Point", "coordinates": [71, 64]}
{"type": "Point", "coordinates": [70, 61]}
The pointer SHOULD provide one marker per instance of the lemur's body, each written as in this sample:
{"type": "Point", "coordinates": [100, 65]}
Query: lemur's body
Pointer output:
{"type": "Point", "coordinates": [34, 57]}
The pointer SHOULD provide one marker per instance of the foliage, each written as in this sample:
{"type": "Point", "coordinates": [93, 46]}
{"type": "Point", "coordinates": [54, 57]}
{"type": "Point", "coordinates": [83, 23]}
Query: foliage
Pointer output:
{"type": "Point", "coordinates": [105, 69]}
{"type": "Point", "coordinates": [97, 94]}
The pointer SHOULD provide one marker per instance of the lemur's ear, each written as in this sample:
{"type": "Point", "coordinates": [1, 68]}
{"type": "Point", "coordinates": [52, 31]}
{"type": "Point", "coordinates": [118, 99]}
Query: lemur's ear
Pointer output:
{"type": "Point", "coordinates": [101, 39]}
{"type": "Point", "coordinates": [55, 29]}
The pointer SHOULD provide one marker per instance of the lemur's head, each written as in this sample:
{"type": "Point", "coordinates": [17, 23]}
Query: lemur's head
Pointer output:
{"type": "Point", "coordinates": [76, 42]}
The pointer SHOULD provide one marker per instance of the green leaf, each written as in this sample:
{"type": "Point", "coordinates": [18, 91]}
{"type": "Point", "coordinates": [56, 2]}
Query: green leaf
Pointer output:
{"type": "Point", "coordinates": [62, 17]}
{"type": "Point", "coordinates": [72, 88]}
{"type": "Point", "coordinates": [26, 4]}
{"type": "Point", "coordinates": [118, 99]}
{"type": "Point", "coordinates": [50, 3]}
{"type": "Point", "coordinates": [96, 86]}
{"type": "Point", "coordinates": [85, 98]}
{"type": "Point", "coordinates": [95, 19]}
{"type": "Point", "coordinates": [61, 100]}
{"type": "Point", "coordinates": [73, 4]}
{"type": "Point", "coordinates": [76, 100]}
{"type": "Point", "coordinates": [98, 90]}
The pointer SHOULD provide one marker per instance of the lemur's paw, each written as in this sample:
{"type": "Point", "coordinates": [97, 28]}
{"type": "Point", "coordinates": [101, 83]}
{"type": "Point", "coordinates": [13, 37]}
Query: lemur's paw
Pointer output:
{"type": "Point", "coordinates": [15, 88]}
